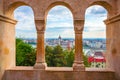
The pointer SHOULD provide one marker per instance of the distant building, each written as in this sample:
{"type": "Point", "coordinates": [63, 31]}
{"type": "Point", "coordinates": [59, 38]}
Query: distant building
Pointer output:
{"type": "Point", "coordinates": [97, 60]}
{"type": "Point", "coordinates": [68, 46]}
{"type": "Point", "coordinates": [59, 40]}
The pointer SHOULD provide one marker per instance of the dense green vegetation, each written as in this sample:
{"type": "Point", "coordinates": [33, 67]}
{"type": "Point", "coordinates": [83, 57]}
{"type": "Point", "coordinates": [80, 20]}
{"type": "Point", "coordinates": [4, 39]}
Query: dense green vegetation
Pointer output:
{"type": "Point", "coordinates": [55, 56]}
{"type": "Point", "coordinates": [25, 54]}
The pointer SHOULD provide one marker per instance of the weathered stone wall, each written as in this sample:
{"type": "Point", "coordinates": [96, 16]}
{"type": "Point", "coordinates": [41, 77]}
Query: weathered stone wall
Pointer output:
{"type": "Point", "coordinates": [33, 74]}
{"type": "Point", "coordinates": [118, 6]}
{"type": "Point", "coordinates": [1, 7]}
{"type": "Point", "coordinates": [116, 47]}
{"type": "Point", "coordinates": [7, 44]}
{"type": "Point", "coordinates": [113, 53]}
{"type": "Point", "coordinates": [40, 9]}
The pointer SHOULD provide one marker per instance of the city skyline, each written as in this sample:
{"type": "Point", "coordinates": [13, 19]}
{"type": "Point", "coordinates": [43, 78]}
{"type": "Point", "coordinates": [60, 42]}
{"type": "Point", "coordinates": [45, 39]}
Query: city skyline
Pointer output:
{"type": "Point", "coordinates": [60, 22]}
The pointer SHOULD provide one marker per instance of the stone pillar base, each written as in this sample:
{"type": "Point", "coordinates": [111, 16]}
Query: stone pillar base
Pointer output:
{"type": "Point", "coordinates": [41, 66]}
{"type": "Point", "coordinates": [78, 67]}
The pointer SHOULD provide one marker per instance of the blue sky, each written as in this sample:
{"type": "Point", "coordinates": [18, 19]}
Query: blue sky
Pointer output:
{"type": "Point", "coordinates": [60, 22]}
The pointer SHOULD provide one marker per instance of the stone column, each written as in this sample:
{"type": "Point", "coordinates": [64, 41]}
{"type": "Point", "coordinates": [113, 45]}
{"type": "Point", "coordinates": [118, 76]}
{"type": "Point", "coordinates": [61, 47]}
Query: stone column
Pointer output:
{"type": "Point", "coordinates": [78, 61]}
{"type": "Point", "coordinates": [40, 56]}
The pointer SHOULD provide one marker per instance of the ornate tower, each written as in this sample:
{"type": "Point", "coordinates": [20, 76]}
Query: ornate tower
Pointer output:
{"type": "Point", "coordinates": [59, 40]}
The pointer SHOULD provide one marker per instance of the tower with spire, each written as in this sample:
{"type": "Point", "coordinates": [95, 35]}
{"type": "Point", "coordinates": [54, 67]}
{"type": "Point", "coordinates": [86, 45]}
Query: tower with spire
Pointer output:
{"type": "Point", "coordinates": [59, 40]}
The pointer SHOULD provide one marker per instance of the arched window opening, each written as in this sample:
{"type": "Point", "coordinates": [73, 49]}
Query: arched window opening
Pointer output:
{"type": "Point", "coordinates": [94, 37]}
{"type": "Point", "coordinates": [25, 36]}
{"type": "Point", "coordinates": [59, 37]}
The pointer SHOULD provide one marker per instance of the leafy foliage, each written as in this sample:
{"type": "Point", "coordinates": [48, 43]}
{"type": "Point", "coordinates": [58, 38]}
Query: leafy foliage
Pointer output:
{"type": "Point", "coordinates": [69, 57]}
{"type": "Point", "coordinates": [25, 54]}
{"type": "Point", "coordinates": [86, 63]}
{"type": "Point", "coordinates": [57, 57]}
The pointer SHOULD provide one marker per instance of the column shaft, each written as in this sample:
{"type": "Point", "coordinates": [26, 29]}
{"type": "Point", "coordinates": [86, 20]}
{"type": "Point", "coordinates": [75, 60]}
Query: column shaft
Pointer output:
{"type": "Point", "coordinates": [78, 61]}
{"type": "Point", "coordinates": [40, 55]}
{"type": "Point", "coordinates": [40, 58]}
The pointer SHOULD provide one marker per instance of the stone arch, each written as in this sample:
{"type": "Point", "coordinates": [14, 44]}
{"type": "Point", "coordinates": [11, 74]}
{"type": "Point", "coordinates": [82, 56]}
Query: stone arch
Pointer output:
{"type": "Point", "coordinates": [96, 23]}
{"type": "Point", "coordinates": [106, 5]}
{"type": "Point", "coordinates": [9, 12]}
{"type": "Point", "coordinates": [10, 9]}
{"type": "Point", "coordinates": [58, 3]}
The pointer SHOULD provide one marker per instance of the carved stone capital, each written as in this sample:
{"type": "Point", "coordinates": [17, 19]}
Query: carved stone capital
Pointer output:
{"type": "Point", "coordinates": [40, 25]}
{"type": "Point", "coordinates": [78, 26]}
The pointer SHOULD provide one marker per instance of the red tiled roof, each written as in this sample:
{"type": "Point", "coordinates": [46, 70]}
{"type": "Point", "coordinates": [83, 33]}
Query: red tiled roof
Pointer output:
{"type": "Point", "coordinates": [93, 59]}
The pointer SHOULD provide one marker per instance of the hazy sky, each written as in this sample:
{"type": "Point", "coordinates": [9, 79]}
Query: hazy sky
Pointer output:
{"type": "Point", "coordinates": [60, 22]}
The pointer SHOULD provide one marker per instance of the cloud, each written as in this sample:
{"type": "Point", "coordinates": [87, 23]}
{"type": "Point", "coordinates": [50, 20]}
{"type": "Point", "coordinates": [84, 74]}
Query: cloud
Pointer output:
{"type": "Point", "coordinates": [89, 29]}
{"type": "Point", "coordinates": [96, 11]}
{"type": "Point", "coordinates": [59, 9]}
{"type": "Point", "coordinates": [26, 34]}
{"type": "Point", "coordinates": [94, 26]}
{"type": "Point", "coordinates": [25, 17]}
{"type": "Point", "coordinates": [68, 33]}
{"type": "Point", "coordinates": [59, 28]}
{"type": "Point", "coordinates": [59, 13]}
{"type": "Point", "coordinates": [65, 33]}
{"type": "Point", "coordinates": [60, 22]}
{"type": "Point", "coordinates": [94, 18]}
{"type": "Point", "coordinates": [94, 34]}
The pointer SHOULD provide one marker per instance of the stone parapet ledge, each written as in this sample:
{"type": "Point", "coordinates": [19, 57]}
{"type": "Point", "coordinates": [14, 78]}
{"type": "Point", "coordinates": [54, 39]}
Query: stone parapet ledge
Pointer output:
{"type": "Point", "coordinates": [65, 69]}
{"type": "Point", "coordinates": [60, 69]}
{"type": "Point", "coordinates": [99, 70]}
{"type": "Point", "coordinates": [57, 73]}
{"type": "Point", "coordinates": [7, 19]}
{"type": "Point", "coordinates": [112, 19]}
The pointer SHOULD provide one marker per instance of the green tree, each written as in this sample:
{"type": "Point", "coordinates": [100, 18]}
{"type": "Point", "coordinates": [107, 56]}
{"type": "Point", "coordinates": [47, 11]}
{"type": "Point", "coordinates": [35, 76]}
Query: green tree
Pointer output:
{"type": "Point", "coordinates": [54, 56]}
{"type": "Point", "coordinates": [25, 54]}
{"type": "Point", "coordinates": [58, 50]}
{"type": "Point", "coordinates": [59, 59]}
{"type": "Point", "coordinates": [49, 55]}
{"type": "Point", "coordinates": [69, 57]}
{"type": "Point", "coordinates": [86, 63]}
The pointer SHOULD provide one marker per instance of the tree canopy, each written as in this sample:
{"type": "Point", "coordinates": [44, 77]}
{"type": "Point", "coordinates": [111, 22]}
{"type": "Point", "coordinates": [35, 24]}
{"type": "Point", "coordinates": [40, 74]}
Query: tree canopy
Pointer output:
{"type": "Point", "coordinates": [25, 54]}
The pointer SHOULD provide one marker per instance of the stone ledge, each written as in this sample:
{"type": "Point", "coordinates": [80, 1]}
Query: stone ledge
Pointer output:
{"type": "Point", "coordinates": [8, 20]}
{"type": "Point", "coordinates": [113, 19]}
{"type": "Point", "coordinates": [57, 73]}
{"type": "Point", "coordinates": [62, 69]}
